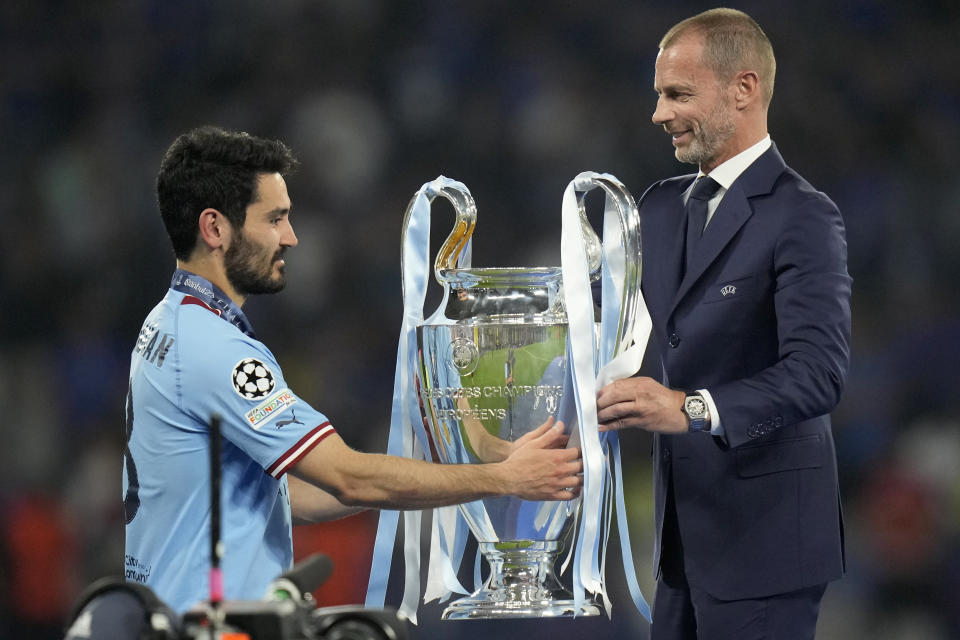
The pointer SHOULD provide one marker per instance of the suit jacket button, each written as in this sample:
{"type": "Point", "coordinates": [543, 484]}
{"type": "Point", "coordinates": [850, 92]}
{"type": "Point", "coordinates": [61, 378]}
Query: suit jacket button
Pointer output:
{"type": "Point", "coordinates": [673, 340]}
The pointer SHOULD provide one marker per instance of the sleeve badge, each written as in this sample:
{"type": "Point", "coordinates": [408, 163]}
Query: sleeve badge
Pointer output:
{"type": "Point", "coordinates": [252, 379]}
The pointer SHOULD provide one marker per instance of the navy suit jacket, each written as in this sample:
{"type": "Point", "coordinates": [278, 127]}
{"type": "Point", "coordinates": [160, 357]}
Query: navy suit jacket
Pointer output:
{"type": "Point", "coordinates": [762, 321]}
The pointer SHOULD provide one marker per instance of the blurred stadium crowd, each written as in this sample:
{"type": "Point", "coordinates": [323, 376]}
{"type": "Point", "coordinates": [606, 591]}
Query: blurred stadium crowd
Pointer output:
{"type": "Point", "coordinates": [513, 98]}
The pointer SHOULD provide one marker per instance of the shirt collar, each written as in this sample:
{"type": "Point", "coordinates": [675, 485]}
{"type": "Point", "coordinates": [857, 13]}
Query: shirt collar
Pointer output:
{"type": "Point", "coordinates": [199, 287]}
{"type": "Point", "coordinates": [726, 173]}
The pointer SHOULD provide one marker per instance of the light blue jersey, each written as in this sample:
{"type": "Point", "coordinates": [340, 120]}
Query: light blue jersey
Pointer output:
{"type": "Point", "coordinates": [195, 356]}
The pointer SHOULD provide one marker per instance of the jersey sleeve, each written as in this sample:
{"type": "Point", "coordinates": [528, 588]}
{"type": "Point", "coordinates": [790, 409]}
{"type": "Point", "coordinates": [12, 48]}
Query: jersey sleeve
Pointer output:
{"type": "Point", "coordinates": [226, 372]}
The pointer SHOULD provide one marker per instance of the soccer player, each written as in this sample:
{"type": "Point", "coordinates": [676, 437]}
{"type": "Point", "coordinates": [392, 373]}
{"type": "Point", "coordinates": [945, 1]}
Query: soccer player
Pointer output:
{"type": "Point", "coordinates": [224, 202]}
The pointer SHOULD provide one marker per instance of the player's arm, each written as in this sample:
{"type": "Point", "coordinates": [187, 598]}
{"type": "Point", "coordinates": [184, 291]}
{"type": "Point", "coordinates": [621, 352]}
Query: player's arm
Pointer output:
{"type": "Point", "coordinates": [310, 503]}
{"type": "Point", "coordinates": [534, 471]}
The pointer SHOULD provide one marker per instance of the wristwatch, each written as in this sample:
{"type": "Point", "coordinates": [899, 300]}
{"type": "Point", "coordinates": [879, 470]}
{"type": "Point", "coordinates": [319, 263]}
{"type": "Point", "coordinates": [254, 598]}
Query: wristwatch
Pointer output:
{"type": "Point", "coordinates": [695, 407]}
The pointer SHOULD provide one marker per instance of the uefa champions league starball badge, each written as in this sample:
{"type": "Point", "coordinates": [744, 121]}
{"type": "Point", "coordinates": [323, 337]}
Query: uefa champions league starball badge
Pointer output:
{"type": "Point", "coordinates": [252, 379]}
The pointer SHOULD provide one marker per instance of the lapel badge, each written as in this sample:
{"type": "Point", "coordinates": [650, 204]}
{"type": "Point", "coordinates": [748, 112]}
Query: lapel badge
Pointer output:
{"type": "Point", "coordinates": [728, 290]}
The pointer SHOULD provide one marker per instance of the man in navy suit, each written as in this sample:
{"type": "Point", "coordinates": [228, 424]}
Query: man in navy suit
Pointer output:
{"type": "Point", "coordinates": [751, 321]}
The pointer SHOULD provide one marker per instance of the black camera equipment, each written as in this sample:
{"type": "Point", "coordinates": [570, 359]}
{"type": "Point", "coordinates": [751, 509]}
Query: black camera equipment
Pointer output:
{"type": "Point", "coordinates": [288, 612]}
{"type": "Point", "coordinates": [114, 609]}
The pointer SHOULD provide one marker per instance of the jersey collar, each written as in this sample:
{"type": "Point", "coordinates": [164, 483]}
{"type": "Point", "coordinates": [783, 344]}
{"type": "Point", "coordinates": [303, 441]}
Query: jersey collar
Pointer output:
{"type": "Point", "coordinates": [211, 295]}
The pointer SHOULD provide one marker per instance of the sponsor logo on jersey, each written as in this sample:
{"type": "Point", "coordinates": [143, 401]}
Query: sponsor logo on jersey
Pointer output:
{"type": "Point", "coordinates": [269, 408]}
{"type": "Point", "coordinates": [252, 379]}
{"type": "Point", "coordinates": [136, 570]}
{"type": "Point", "coordinates": [291, 420]}
{"type": "Point", "coordinates": [199, 288]}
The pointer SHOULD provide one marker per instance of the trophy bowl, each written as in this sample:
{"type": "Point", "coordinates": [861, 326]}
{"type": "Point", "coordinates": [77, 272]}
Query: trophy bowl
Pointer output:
{"type": "Point", "coordinates": [492, 368]}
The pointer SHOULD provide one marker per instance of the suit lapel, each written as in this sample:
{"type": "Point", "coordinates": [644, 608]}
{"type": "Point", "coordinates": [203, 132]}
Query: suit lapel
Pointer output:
{"type": "Point", "coordinates": [730, 216]}
{"type": "Point", "coordinates": [733, 212]}
{"type": "Point", "coordinates": [675, 244]}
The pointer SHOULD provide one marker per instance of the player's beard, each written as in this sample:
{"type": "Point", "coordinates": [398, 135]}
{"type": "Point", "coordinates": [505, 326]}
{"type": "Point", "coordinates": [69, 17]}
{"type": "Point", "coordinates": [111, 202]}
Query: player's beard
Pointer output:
{"type": "Point", "coordinates": [709, 135]}
{"type": "Point", "coordinates": [249, 267]}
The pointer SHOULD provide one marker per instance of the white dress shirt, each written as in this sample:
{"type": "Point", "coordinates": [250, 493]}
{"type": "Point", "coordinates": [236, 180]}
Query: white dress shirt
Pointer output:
{"type": "Point", "coordinates": [725, 174]}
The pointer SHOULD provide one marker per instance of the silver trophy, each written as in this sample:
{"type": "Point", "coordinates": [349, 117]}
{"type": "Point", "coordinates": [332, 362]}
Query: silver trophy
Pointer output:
{"type": "Point", "coordinates": [492, 367]}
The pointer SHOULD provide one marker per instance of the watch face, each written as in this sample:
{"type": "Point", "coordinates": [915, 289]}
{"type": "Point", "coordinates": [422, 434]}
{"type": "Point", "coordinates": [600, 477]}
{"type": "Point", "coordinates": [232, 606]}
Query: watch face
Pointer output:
{"type": "Point", "coordinates": [694, 407]}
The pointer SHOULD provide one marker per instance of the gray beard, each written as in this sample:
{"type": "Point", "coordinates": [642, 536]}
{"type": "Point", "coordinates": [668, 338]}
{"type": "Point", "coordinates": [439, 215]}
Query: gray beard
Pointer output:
{"type": "Point", "coordinates": [715, 131]}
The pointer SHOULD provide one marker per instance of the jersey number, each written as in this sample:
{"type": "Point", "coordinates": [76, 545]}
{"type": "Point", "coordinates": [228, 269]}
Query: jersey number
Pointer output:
{"type": "Point", "coordinates": [131, 502]}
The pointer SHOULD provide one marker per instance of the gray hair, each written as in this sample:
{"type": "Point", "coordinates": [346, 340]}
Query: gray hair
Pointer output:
{"type": "Point", "coordinates": [733, 42]}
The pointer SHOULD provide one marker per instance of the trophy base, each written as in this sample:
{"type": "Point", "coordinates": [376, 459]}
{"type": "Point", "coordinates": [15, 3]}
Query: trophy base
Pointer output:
{"type": "Point", "coordinates": [473, 608]}
{"type": "Point", "coordinates": [522, 584]}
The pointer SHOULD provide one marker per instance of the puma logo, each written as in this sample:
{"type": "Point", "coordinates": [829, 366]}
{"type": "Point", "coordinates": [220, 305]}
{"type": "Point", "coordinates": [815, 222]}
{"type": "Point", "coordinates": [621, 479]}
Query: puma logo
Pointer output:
{"type": "Point", "coordinates": [292, 420]}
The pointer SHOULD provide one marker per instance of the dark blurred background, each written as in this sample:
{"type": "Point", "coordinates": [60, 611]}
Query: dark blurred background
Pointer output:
{"type": "Point", "coordinates": [514, 99]}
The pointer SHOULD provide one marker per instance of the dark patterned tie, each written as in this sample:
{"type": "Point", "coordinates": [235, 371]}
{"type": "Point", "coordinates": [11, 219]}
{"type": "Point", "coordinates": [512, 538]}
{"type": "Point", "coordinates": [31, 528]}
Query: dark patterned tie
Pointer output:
{"type": "Point", "coordinates": [703, 189]}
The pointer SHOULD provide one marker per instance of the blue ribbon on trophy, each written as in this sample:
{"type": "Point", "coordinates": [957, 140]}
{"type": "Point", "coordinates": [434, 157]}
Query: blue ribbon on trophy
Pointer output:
{"type": "Point", "coordinates": [407, 436]}
{"type": "Point", "coordinates": [587, 362]}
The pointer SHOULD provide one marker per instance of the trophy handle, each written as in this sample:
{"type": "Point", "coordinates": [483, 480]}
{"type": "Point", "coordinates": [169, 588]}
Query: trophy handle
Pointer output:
{"type": "Point", "coordinates": [455, 245]}
{"type": "Point", "coordinates": [630, 238]}
{"type": "Point", "coordinates": [591, 243]}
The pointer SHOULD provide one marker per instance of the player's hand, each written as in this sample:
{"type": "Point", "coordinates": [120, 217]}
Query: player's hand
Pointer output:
{"type": "Point", "coordinates": [643, 403]}
{"type": "Point", "coordinates": [541, 469]}
{"type": "Point", "coordinates": [559, 442]}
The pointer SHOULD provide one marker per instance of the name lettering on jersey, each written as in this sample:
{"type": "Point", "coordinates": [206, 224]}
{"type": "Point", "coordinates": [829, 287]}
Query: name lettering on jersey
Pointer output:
{"type": "Point", "coordinates": [270, 408]}
{"type": "Point", "coordinates": [153, 346]}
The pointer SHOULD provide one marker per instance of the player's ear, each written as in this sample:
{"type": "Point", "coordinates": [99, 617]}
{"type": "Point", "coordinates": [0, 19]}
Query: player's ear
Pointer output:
{"type": "Point", "coordinates": [214, 229]}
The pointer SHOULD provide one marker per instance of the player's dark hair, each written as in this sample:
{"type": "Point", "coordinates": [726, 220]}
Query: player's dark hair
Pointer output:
{"type": "Point", "coordinates": [216, 169]}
